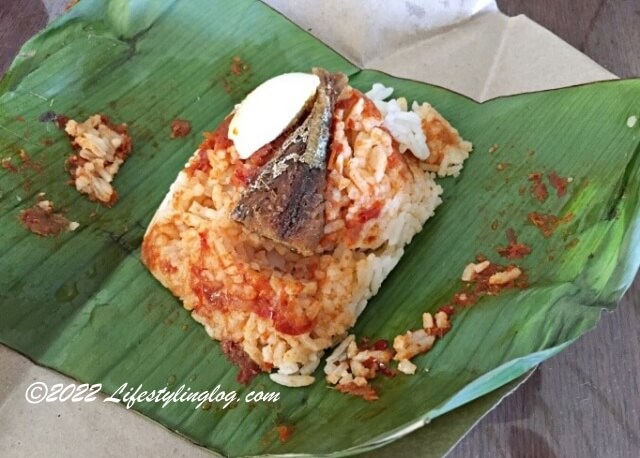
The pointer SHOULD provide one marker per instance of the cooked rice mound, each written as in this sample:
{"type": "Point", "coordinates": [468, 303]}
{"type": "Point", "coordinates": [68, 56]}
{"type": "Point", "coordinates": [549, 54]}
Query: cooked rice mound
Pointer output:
{"type": "Point", "coordinates": [283, 308]}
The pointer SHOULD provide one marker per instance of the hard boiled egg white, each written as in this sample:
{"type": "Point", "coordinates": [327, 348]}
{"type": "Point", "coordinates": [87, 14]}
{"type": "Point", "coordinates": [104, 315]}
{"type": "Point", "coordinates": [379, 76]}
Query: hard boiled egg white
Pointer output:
{"type": "Point", "coordinates": [269, 109]}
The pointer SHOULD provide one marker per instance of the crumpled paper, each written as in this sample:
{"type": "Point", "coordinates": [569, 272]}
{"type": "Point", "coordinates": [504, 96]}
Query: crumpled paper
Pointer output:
{"type": "Point", "coordinates": [365, 30]}
{"type": "Point", "coordinates": [467, 46]}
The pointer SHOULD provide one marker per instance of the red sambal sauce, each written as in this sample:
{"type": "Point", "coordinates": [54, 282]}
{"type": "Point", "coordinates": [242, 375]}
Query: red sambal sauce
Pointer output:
{"type": "Point", "coordinates": [559, 183]}
{"type": "Point", "coordinates": [236, 355]}
{"type": "Point", "coordinates": [376, 366]}
{"type": "Point", "coordinates": [368, 110]}
{"type": "Point", "coordinates": [449, 310]}
{"type": "Point", "coordinates": [366, 392]}
{"type": "Point", "coordinates": [204, 244]}
{"type": "Point", "coordinates": [290, 319]}
{"type": "Point", "coordinates": [218, 139]}
{"type": "Point", "coordinates": [515, 249]}
{"type": "Point", "coordinates": [355, 225]}
{"type": "Point", "coordinates": [396, 158]}
{"type": "Point", "coordinates": [368, 344]}
{"type": "Point", "coordinates": [538, 188]}
{"type": "Point", "coordinates": [548, 223]}
{"type": "Point", "coordinates": [8, 165]}
{"type": "Point", "coordinates": [370, 213]}
{"type": "Point", "coordinates": [43, 222]}
{"type": "Point", "coordinates": [284, 432]}
{"type": "Point", "coordinates": [168, 268]}
{"type": "Point", "coordinates": [180, 128]}
{"type": "Point", "coordinates": [245, 171]}
{"type": "Point", "coordinates": [286, 316]}
{"type": "Point", "coordinates": [206, 290]}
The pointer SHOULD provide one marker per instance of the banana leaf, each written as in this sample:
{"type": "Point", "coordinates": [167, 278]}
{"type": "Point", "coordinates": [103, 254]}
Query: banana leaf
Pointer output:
{"type": "Point", "coordinates": [83, 304]}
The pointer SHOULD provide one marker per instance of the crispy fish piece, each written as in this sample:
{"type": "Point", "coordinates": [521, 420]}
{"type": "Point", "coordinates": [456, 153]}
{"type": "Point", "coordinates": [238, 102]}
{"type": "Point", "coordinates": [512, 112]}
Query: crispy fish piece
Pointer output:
{"type": "Point", "coordinates": [285, 201]}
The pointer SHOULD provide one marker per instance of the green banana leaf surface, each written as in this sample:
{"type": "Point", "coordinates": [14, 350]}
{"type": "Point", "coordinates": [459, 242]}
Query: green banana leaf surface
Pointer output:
{"type": "Point", "coordinates": [83, 303]}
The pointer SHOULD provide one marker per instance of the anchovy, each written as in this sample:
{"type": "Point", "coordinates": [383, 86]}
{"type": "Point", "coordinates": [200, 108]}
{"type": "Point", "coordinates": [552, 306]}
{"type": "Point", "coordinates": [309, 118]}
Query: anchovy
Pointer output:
{"type": "Point", "coordinates": [285, 201]}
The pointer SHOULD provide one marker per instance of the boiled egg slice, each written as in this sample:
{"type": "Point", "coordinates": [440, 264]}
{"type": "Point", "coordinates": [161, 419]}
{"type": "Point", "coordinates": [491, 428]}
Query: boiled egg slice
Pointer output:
{"type": "Point", "coordinates": [269, 109]}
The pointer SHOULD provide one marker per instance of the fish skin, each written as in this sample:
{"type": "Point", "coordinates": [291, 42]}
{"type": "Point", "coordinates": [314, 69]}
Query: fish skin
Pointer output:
{"type": "Point", "coordinates": [285, 201]}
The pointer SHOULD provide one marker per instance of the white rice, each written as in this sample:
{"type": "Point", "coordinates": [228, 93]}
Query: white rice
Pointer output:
{"type": "Point", "coordinates": [405, 126]}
